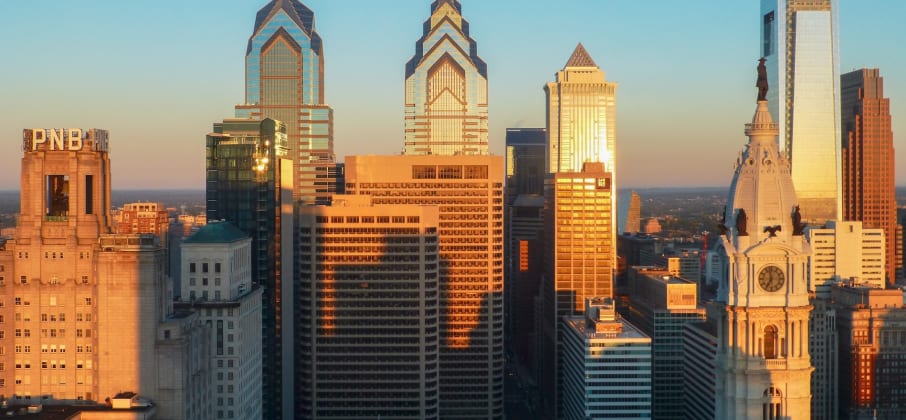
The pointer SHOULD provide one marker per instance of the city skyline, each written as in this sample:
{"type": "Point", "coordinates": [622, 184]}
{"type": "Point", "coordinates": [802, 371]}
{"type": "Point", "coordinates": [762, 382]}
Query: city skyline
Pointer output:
{"type": "Point", "coordinates": [98, 68]}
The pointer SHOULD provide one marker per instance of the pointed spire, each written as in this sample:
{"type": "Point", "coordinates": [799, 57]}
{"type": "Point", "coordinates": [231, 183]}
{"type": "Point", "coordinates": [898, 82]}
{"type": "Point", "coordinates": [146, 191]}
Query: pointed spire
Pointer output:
{"type": "Point", "coordinates": [580, 58]}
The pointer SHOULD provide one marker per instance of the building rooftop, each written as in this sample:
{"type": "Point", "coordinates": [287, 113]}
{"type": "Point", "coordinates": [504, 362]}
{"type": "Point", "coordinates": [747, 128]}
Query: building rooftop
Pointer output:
{"type": "Point", "coordinates": [216, 233]}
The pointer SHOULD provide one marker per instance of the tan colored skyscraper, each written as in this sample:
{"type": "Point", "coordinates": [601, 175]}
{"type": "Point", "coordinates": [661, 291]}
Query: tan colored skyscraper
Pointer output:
{"type": "Point", "coordinates": [79, 307]}
{"type": "Point", "coordinates": [581, 116]}
{"type": "Point", "coordinates": [446, 88]}
{"type": "Point", "coordinates": [579, 259]}
{"type": "Point", "coordinates": [868, 159]}
{"type": "Point", "coordinates": [469, 193]}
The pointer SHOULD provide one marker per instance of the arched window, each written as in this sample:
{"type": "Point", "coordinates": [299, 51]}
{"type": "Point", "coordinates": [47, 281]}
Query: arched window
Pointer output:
{"type": "Point", "coordinates": [770, 342]}
{"type": "Point", "coordinates": [772, 406]}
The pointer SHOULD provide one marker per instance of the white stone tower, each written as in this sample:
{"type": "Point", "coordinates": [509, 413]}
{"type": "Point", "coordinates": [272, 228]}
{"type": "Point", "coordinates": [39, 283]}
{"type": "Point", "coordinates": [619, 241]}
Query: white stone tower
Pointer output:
{"type": "Point", "coordinates": [762, 308]}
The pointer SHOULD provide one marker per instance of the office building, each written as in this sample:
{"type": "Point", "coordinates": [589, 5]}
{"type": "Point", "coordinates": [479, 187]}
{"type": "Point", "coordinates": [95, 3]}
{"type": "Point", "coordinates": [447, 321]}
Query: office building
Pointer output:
{"type": "Point", "coordinates": [632, 223]}
{"type": "Point", "coordinates": [581, 116]}
{"type": "Point", "coordinates": [184, 369]}
{"type": "Point", "coordinates": [579, 260]}
{"type": "Point", "coordinates": [79, 305]}
{"type": "Point", "coordinates": [526, 150]}
{"type": "Point", "coordinates": [845, 251]}
{"type": "Point", "coordinates": [868, 160]}
{"type": "Point", "coordinates": [823, 347]}
{"type": "Point", "coordinates": [526, 154]}
{"type": "Point", "coordinates": [250, 184]}
{"type": "Point", "coordinates": [660, 305]}
{"type": "Point", "coordinates": [284, 80]}
{"type": "Point", "coordinates": [607, 366]}
{"type": "Point", "coordinates": [800, 44]}
{"type": "Point", "coordinates": [368, 311]}
{"type": "Point", "coordinates": [762, 307]}
{"type": "Point", "coordinates": [217, 266]}
{"type": "Point", "coordinates": [469, 193]}
{"type": "Point", "coordinates": [446, 88]}
{"type": "Point", "coordinates": [699, 367]}
{"type": "Point", "coordinates": [872, 329]}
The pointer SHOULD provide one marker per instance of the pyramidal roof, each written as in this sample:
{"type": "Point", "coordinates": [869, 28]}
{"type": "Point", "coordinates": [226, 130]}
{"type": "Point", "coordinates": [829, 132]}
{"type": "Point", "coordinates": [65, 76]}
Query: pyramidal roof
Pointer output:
{"type": "Point", "coordinates": [580, 58]}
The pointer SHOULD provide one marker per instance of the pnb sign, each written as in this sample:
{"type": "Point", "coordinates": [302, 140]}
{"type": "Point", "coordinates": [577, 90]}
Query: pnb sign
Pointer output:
{"type": "Point", "coordinates": [54, 139]}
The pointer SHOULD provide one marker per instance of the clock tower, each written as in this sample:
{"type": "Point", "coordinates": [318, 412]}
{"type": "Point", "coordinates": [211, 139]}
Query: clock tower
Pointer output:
{"type": "Point", "coordinates": [762, 306]}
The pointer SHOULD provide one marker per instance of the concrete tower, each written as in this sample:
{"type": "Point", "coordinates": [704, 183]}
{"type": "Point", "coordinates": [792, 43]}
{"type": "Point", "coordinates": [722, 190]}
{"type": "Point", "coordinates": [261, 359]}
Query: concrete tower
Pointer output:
{"type": "Point", "coordinates": [762, 308]}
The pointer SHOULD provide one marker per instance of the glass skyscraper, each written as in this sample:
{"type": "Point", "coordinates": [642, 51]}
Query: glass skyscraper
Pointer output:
{"type": "Point", "coordinates": [446, 88]}
{"type": "Point", "coordinates": [800, 44]}
{"type": "Point", "coordinates": [249, 183]}
{"type": "Point", "coordinates": [284, 80]}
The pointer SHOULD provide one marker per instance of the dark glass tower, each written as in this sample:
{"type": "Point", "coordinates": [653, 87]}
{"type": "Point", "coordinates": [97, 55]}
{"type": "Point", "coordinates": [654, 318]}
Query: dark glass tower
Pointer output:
{"type": "Point", "coordinates": [284, 80]}
{"type": "Point", "coordinates": [250, 184]}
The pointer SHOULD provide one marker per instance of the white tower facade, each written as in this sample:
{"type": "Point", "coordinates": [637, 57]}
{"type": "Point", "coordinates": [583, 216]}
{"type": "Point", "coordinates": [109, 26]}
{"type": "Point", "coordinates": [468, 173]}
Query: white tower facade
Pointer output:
{"type": "Point", "coordinates": [762, 308]}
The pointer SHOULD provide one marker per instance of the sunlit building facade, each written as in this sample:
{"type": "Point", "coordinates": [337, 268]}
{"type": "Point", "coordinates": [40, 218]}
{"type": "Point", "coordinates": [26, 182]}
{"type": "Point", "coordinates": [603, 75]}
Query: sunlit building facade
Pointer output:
{"type": "Point", "coordinates": [607, 366]}
{"type": "Point", "coordinates": [845, 251]}
{"type": "Point", "coordinates": [249, 183]}
{"type": "Point", "coordinates": [79, 306]}
{"type": "Point", "coordinates": [799, 41]}
{"type": "Point", "coordinates": [284, 80]}
{"type": "Point", "coordinates": [367, 311]}
{"type": "Point", "coordinates": [469, 193]}
{"type": "Point", "coordinates": [579, 260]}
{"type": "Point", "coordinates": [581, 116]}
{"type": "Point", "coordinates": [446, 88]}
{"type": "Point", "coordinates": [868, 160]}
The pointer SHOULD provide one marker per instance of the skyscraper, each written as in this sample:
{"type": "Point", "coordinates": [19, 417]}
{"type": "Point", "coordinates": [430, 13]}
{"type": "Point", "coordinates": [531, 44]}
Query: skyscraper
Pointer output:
{"type": "Point", "coordinates": [581, 116]}
{"type": "Point", "coordinates": [368, 311]}
{"type": "Point", "coordinates": [446, 88]}
{"type": "Point", "coordinates": [868, 159]}
{"type": "Point", "coordinates": [284, 80]}
{"type": "Point", "coordinates": [762, 306]}
{"type": "Point", "coordinates": [249, 183]}
{"type": "Point", "coordinates": [579, 262]}
{"type": "Point", "coordinates": [79, 306]}
{"type": "Point", "coordinates": [800, 44]}
{"type": "Point", "coordinates": [469, 192]}
{"type": "Point", "coordinates": [526, 153]}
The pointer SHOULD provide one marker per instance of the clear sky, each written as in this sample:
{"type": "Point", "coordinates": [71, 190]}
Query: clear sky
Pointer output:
{"type": "Point", "coordinates": [158, 73]}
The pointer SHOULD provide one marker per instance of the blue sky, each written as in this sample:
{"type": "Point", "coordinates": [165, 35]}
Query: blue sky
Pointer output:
{"type": "Point", "coordinates": [157, 74]}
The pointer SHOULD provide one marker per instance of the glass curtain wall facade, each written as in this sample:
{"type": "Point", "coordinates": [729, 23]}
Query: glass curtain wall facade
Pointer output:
{"type": "Point", "coordinates": [284, 80]}
{"type": "Point", "coordinates": [446, 88]}
{"type": "Point", "coordinates": [249, 182]}
{"type": "Point", "coordinates": [868, 159]}
{"type": "Point", "coordinates": [799, 41]}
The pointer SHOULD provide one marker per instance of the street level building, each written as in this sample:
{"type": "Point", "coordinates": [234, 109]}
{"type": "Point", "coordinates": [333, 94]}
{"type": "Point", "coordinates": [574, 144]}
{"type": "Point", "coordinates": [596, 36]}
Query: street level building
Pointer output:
{"type": "Point", "coordinates": [700, 345]}
{"type": "Point", "coordinates": [368, 311]}
{"type": "Point", "coordinates": [468, 190]}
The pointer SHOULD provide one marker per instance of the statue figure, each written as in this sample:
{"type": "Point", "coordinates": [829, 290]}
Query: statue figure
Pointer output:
{"type": "Point", "coordinates": [723, 222]}
{"type": "Point", "coordinates": [762, 83]}
{"type": "Point", "coordinates": [741, 220]}
{"type": "Point", "coordinates": [797, 222]}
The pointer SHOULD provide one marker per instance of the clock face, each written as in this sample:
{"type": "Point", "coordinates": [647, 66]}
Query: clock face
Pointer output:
{"type": "Point", "coordinates": [771, 278]}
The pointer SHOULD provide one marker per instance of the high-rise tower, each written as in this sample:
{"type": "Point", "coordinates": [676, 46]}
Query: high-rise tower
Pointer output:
{"type": "Point", "coordinates": [581, 116]}
{"type": "Point", "coordinates": [762, 306]}
{"type": "Point", "coordinates": [446, 88]}
{"type": "Point", "coordinates": [799, 41]}
{"type": "Point", "coordinates": [284, 80]}
{"type": "Point", "coordinates": [868, 159]}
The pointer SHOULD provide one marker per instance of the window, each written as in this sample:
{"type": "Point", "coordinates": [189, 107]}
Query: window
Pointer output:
{"type": "Point", "coordinates": [772, 406]}
{"type": "Point", "coordinates": [89, 194]}
{"type": "Point", "coordinates": [770, 342]}
{"type": "Point", "coordinates": [216, 267]}
{"type": "Point", "coordinates": [88, 301]}
{"type": "Point", "coordinates": [204, 267]}
{"type": "Point", "coordinates": [191, 267]}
